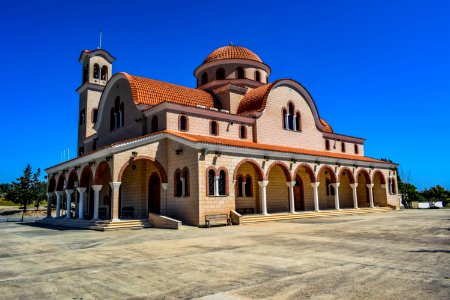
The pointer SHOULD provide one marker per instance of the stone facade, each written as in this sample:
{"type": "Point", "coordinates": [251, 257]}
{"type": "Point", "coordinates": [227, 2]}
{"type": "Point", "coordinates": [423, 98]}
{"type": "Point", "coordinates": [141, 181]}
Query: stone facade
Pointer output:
{"type": "Point", "coordinates": [275, 156]}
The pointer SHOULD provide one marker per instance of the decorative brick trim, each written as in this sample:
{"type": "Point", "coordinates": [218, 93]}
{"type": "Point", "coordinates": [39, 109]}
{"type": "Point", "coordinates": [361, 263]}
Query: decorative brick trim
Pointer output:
{"type": "Point", "coordinates": [348, 172]}
{"type": "Point", "coordinates": [283, 166]}
{"type": "Point", "coordinates": [366, 175]}
{"type": "Point", "coordinates": [103, 169]}
{"type": "Point", "coordinates": [159, 167]}
{"type": "Point", "coordinates": [329, 169]}
{"type": "Point", "coordinates": [382, 178]}
{"type": "Point", "coordinates": [87, 172]}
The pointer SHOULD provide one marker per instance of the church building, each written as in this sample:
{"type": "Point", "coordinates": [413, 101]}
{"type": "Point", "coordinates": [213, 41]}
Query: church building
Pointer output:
{"type": "Point", "coordinates": [238, 144]}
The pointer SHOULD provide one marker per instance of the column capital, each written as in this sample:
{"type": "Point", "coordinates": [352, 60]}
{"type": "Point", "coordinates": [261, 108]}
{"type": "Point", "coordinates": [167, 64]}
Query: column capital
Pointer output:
{"type": "Point", "coordinates": [115, 185]}
{"type": "Point", "coordinates": [291, 183]}
{"type": "Point", "coordinates": [354, 185]}
{"type": "Point", "coordinates": [263, 183]}
{"type": "Point", "coordinates": [217, 177]}
{"type": "Point", "coordinates": [59, 193]}
{"type": "Point", "coordinates": [81, 190]}
{"type": "Point", "coordinates": [49, 194]}
{"type": "Point", "coordinates": [69, 191]}
{"type": "Point", "coordinates": [97, 187]}
{"type": "Point", "coordinates": [370, 185]}
{"type": "Point", "coordinates": [315, 184]}
{"type": "Point", "coordinates": [336, 185]}
{"type": "Point", "coordinates": [164, 185]}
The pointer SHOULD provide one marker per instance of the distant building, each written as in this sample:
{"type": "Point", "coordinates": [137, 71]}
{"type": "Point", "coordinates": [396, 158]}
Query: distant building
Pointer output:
{"type": "Point", "coordinates": [236, 142]}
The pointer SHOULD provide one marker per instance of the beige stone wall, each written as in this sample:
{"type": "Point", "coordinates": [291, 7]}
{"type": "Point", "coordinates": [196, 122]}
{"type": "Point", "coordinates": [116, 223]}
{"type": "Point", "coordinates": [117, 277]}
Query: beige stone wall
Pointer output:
{"type": "Point", "coordinates": [308, 191]}
{"type": "Point", "coordinates": [362, 193]}
{"type": "Point", "coordinates": [250, 201]}
{"type": "Point", "coordinates": [230, 72]}
{"type": "Point", "coordinates": [200, 126]}
{"type": "Point", "coordinates": [277, 191]}
{"type": "Point", "coordinates": [345, 192]}
{"type": "Point", "coordinates": [325, 202]}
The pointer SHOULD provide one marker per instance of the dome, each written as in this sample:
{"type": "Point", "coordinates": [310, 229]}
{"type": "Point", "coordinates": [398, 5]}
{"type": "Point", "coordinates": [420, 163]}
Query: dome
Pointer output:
{"type": "Point", "coordinates": [232, 52]}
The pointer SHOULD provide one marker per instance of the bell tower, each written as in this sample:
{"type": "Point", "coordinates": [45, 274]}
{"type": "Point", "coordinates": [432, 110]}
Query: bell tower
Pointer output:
{"type": "Point", "coordinates": [96, 71]}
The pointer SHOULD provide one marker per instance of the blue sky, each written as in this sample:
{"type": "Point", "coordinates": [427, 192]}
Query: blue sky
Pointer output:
{"type": "Point", "coordinates": [378, 70]}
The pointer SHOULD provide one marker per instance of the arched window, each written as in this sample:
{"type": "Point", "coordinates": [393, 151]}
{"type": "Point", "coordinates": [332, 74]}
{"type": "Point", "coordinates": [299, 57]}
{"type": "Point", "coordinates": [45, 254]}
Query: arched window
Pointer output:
{"type": "Point", "coordinates": [257, 76]}
{"type": "Point", "coordinates": [327, 144]}
{"type": "Point", "coordinates": [248, 186]}
{"type": "Point", "coordinates": [222, 183]}
{"type": "Point", "coordinates": [183, 125]}
{"type": "Point", "coordinates": [284, 118]}
{"type": "Point", "coordinates": [177, 184]}
{"type": "Point", "coordinates": [242, 132]}
{"type": "Point", "coordinates": [186, 182]}
{"type": "Point", "coordinates": [356, 149]}
{"type": "Point", "coordinates": [240, 184]}
{"type": "Point", "coordinates": [104, 74]}
{"type": "Point", "coordinates": [213, 128]}
{"type": "Point", "coordinates": [121, 114]}
{"type": "Point", "coordinates": [154, 124]}
{"type": "Point", "coordinates": [94, 115]}
{"type": "Point", "coordinates": [240, 73]}
{"type": "Point", "coordinates": [96, 71]}
{"type": "Point", "coordinates": [112, 120]}
{"type": "Point", "coordinates": [291, 116]}
{"type": "Point", "coordinates": [204, 78]}
{"type": "Point", "coordinates": [82, 116]}
{"type": "Point", "coordinates": [220, 74]}
{"type": "Point", "coordinates": [211, 179]}
{"type": "Point", "coordinates": [298, 122]}
{"type": "Point", "coordinates": [342, 146]}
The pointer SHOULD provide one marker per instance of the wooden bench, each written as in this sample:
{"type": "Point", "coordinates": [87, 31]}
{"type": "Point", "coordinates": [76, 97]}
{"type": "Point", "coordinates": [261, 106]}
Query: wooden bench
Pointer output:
{"type": "Point", "coordinates": [246, 210]}
{"type": "Point", "coordinates": [127, 213]}
{"type": "Point", "coordinates": [219, 218]}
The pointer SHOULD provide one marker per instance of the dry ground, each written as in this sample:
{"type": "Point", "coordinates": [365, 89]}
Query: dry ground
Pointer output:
{"type": "Point", "coordinates": [395, 255]}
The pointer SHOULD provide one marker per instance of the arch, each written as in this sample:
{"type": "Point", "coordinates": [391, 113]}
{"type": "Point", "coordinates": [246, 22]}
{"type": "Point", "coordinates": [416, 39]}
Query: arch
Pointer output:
{"type": "Point", "coordinates": [104, 73]}
{"type": "Point", "coordinates": [183, 123]}
{"type": "Point", "coordinates": [382, 178]}
{"type": "Point", "coordinates": [248, 186]}
{"type": "Point", "coordinates": [96, 74]}
{"type": "Point", "coordinates": [101, 172]}
{"type": "Point", "coordinates": [365, 174]}
{"type": "Point", "coordinates": [259, 171]}
{"type": "Point", "coordinates": [177, 185]}
{"type": "Point", "coordinates": [240, 74]}
{"type": "Point", "coordinates": [220, 74]}
{"type": "Point", "coordinates": [187, 185]}
{"type": "Point", "coordinates": [240, 181]}
{"type": "Point", "coordinates": [122, 114]}
{"type": "Point", "coordinates": [223, 181]}
{"type": "Point", "coordinates": [347, 172]}
{"type": "Point", "coordinates": [283, 167]}
{"type": "Point", "coordinates": [61, 181]}
{"type": "Point", "coordinates": [257, 76]}
{"type": "Point", "coordinates": [154, 194]}
{"type": "Point", "coordinates": [159, 167]}
{"type": "Point", "coordinates": [330, 170]}
{"type": "Point", "coordinates": [284, 114]}
{"type": "Point", "coordinates": [73, 178]}
{"type": "Point", "coordinates": [298, 121]}
{"type": "Point", "coordinates": [211, 173]}
{"type": "Point", "coordinates": [204, 79]}
{"type": "Point", "coordinates": [85, 177]}
{"type": "Point", "coordinates": [154, 125]}
{"type": "Point", "coordinates": [308, 170]}
{"type": "Point", "coordinates": [51, 184]}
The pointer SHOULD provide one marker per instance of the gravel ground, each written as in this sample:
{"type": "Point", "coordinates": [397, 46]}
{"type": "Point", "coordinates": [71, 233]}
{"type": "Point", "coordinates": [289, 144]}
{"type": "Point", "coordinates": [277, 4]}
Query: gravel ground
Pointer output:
{"type": "Point", "coordinates": [395, 255]}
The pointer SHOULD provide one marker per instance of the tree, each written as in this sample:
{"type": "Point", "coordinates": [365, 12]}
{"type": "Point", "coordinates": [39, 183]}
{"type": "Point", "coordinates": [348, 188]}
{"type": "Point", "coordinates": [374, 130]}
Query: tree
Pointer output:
{"type": "Point", "coordinates": [27, 189]}
{"type": "Point", "coordinates": [435, 194]}
{"type": "Point", "coordinates": [408, 191]}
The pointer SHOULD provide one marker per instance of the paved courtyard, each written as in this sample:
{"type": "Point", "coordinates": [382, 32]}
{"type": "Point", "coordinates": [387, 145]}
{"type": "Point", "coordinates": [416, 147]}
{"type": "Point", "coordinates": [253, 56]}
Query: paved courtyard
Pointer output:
{"type": "Point", "coordinates": [395, 255]}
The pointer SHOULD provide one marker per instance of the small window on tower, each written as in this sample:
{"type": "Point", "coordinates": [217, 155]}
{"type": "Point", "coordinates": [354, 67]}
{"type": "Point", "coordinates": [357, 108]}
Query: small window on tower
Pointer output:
{"type": "Point", "coordinates": [94, 115]}
{"type": "Point", "coordinates": [204, 78]}
{"type": "Point", "coordinates": [327, 144]}
{"type": "Point", "coordinates": [96, 71]}
{"type": "Point", "coordinates": [257, 76]}
{"type": "Point", "coordinates": [220, 74]}
{"type": "Point", "coordinates": [213, 130]}
{"type": "Point", "coordinates": [104, 75]}
{"type": "Point", "coordinates": [343, 147]}
{"type": "Point", "coordinates": [183, 123]}
{"type": "Point", "coordinates": [243, 132]}
{"type": "Point", "coordinates": [356, 149]}
{"type": "Point", "coordinates": [240, 73]}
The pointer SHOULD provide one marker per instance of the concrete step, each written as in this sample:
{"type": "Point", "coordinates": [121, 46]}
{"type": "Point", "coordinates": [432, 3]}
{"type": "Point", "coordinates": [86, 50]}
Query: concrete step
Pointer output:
{"type": "Point", "coordinates": [246, 219]}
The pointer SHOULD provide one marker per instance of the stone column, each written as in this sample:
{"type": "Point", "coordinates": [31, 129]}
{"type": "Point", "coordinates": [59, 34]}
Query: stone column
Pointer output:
{"type": "Point", "coordinates": [164, 187]}
{"type": "Point", "coordinates": [315, 186]}
{"type": "Point", "coordinates": [68, 203]}
{"type": "Point", "coordinates": [243, 189]}
{"type": "Point", "coordinates": [263, 186]}
{"type": "Point", "coordinates": [291, 185]}
{"type": "Point", "coordinates": [336, 195]}
{"type": "Point", "coordinates": [81, 190]}
{"type": "Point", "coordinates": [115, 200]}
{"type": "Point", "coordinates": [294, 122]}
{"type": "Point", "coordinates": [216, 186]}
{"type": "Point", "coordinates": [58, 203]}
{"type": "Point", "coordinates": [49, 204]}
{"type": "Point", "coordinates": [355, 195]}
{"type": "Point", "coordinates": [370, 187]}
{"type": "Point", "coordinates": [287, 121]}
{"type": "Point", "coordinates": [183, 186]}
{"type": "Point", "coordinates": [96, 189]}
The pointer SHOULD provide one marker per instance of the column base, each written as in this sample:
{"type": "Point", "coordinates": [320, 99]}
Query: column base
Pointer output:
{"type": "Point", "coordinates": [80, 219]}
{"type": "Point", "coordinates": [115, 220]}
{"type": "Point", "coordinates": [317, 210]}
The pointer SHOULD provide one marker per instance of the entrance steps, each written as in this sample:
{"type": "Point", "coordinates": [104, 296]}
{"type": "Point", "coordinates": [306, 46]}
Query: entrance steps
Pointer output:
{"type": "Point", "coordinates": [102, 225]}
{"type": "Point", "coordinates": [248, 219]}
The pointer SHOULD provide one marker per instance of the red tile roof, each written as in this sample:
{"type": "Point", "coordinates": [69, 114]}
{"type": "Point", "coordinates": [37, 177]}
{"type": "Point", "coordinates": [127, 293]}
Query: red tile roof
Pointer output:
{"type": "Point", "coordinates": [327, 128]}
{"type": "Point", "coordinates": [152, 92]}
{"type": "Point", "coordinates": [232, 52]}
{"type": "Point", "coordinates": [253, 145]}
{"type": "Point", "coordinates": [255, 99]}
